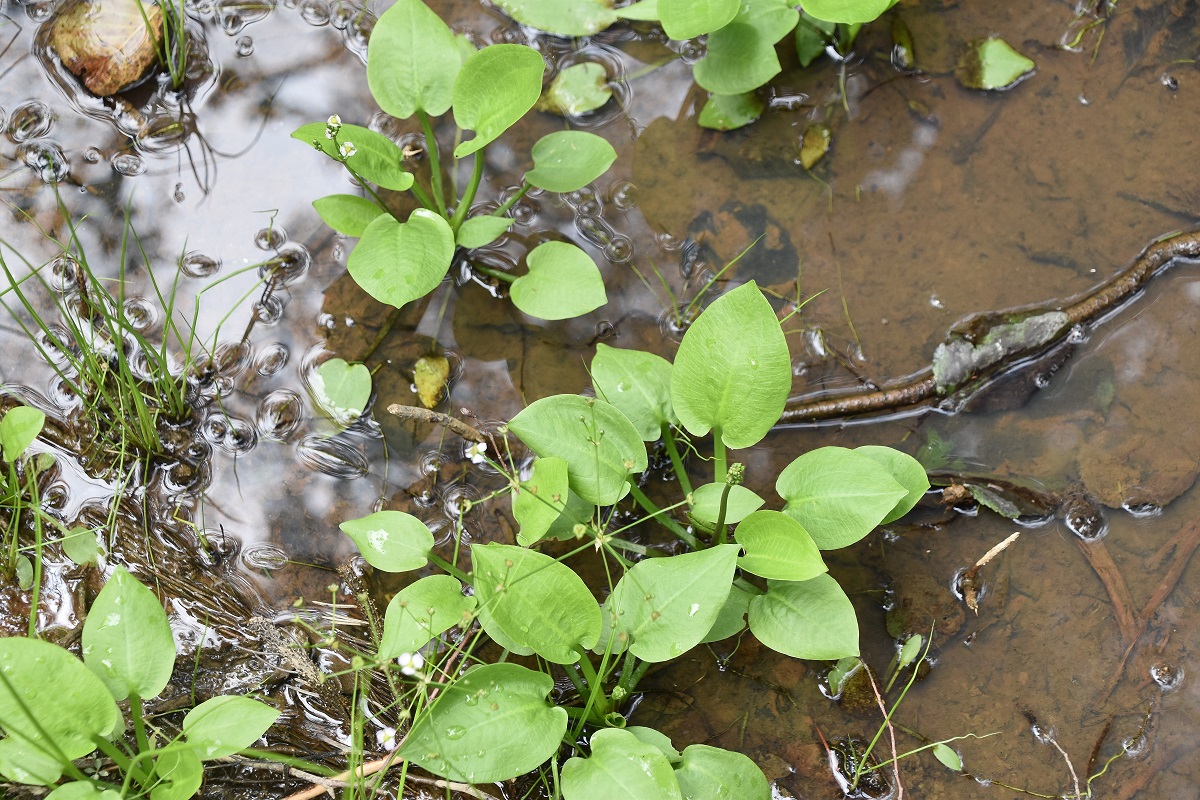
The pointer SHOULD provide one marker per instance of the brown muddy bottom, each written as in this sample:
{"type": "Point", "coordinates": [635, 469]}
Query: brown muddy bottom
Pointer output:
{"type": "Point", "coordinates": [934, 202]}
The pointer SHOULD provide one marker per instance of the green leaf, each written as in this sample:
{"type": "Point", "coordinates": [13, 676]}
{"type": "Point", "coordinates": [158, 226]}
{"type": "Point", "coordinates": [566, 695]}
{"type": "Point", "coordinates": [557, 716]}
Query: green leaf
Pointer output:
{"type": "Point", "coordinates": [376, 158]}
{"type": "Point", "coordinates": [24, 571]}
{"type": "Point", "coordinates": [911, 649]}
{"type": "Point", "coordinates": [49, 702]}
{"type": "Point", "coordinates": [778, 547]}
{"type": "Point", "coordinates": [20, 426]}
{"type": "Point", "coordinates": [391, 540]}
{"type": "Point", "coordinates": [646, 10]}
{"type": "Point", "coordinates": [733, 371]}
{"type": "Point", "coordinates": [347, 213]}
{"type": "Point", "coordinates": [710, 773]}
{"type": "Point", "coordinates": [621, 765]}
{"type": "Point", "coordinates": [732, 618]}
{"type": "Point", "coordinates": [492, 724]}
{"type": "Point", "coordinates": [82, 790]}
{"type": "Point", "coordinates": [948, 757]}
{"type": "Point", "coordinates": [577, 512]}
{"type": "Point", "coordinates": [495, 88]}
{"type": "Point", "coordinates": [538, 604]}
{"type": "Point", "coordinates": [638, 384]}
{"type": "Point", "coordinates": [412, 61]}
{"type": "Point", "coordinates": [181, 774]}
{"type": "Point", "coordinates": [577, 90]}
{"type": "Point", "coordinates": [422, 610]}
{"type": "Point", "coordinates": [127, 639]}
{"type": "Point", "coordinates": [600, 446]}
{"type": "Point", "coordinates": [726, 112]}
{"type": "Point", "coordinates": [812, 37]}
{"type": "Point", "coordinates": [741, 56]}
{"type": "Point", "coordinates": [342, 390]}
{"type": "Point", "coordinates": [847, 11]}
{"type": "Point", "coordinates": [565, 161]}
{"type": "Point", "coordinates": [905, 470]}
{"type": "Point", "coordinates": [575, 18]}
{"type": "Point", "coordinates": [706, 503]}
{"type": "Point", "coordinates": [991, 64]}
{"type": "Point", "coordinates": [80, 545]}
{"type": "Point", "coordinates": [562, 282]}
{"type": "Point", "coordinates": [223, 725]}
{"type": "Point", "coordinates": [663, 607]}
{"type": "Point", "coordinates": [398, 262]}
{"type": "Point", "coordinates": [687, 19]}
{"type": "Point", "coordinates": [478, 231]}
{"type": "Point", "coordinates": [811, 619]}
{"type": "Point", "coordinates": [656, 739]}
{"type": "Point", "coordinates": [838, 495]}
{"type": "Point", "coordinates": [539, 501]}
{"type": "Point", "coordinates": [814, 144]}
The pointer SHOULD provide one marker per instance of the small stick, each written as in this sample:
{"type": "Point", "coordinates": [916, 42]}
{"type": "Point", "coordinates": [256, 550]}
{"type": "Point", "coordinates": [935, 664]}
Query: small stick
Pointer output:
{"type": "Point", "coordinates": [970, 591]}
{"type": "Point", "coordinates": [445, 420]}
{"type": "Point", "coordinates": [891, 733]}
{"type": "Point", "coordinates": [1118, 591]}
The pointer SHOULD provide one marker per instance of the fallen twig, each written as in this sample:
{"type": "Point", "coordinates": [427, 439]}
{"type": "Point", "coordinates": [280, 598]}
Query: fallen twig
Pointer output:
{"type": "Point", "coordinates": [437, 418]}
{"type": "Point", "coordinates": [1118, 591]}
{"type": "Point", "coordinates": [967, 582]}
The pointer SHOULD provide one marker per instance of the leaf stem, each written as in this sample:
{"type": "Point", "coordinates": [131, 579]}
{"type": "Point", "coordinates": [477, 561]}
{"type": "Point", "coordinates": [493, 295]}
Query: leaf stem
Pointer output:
{"type": "Point", "coordinates": [450, 568]}
{"type": "Point", "coordinates": [468, 197]}
{"type": "Point", "coordinates": [666, 520]}
{"type": "Point", "coordinates": [676, 462]}
{"type": "Point", "coordinates": [720, 526]}
{"type": "Point", "coordinates": [719, 457]}
{"type": "Point", "coordinates": [494, 273]}
{"type": "Point", "coordinates": [139, 722]}
{"type": "Point", "coordinates": [512, 201]}
{"type": "Point", "coordinates": [435, 164]}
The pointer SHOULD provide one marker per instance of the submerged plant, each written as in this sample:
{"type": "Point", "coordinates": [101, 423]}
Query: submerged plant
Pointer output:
{"type": "Point", "coordinates": [418, 68]}
{"type": "Point", "coordinates": [740, 566]}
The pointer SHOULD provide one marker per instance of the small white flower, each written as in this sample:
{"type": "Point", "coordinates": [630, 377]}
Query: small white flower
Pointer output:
{"type": "Point", "coordinates": [476, 453]}
{"type": "Point", "coordinates": [386, 738]}
{"type": "Point", "coordinates": [410, 663]}
{"type": "Point", "coordinates": [332, 126]}
{"type": "Point", "coordinates": [347, 149]}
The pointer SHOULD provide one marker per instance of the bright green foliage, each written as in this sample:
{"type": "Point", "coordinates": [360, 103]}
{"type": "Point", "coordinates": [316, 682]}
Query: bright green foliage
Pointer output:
{"type": "Point", "coordinates": [663, 607]}
{"type": "Point", "coordinates": [732, 619]}
{"type": "Point", "coordinates": [950, 759]}
{"type": "Point", "coordinates": [812, 37]}
{"type": "Point", "coordinates": [577, 90]}
{"type": "Point", "coordinates": [726, 112]}
{"type": "Point", "coordinates": [838, 495]}
{"type": "Point", "coordinates": [741, 56]}
{"type": "Point", "coordinates": [127, 639]}
{"type": "Point", "coordinates": [222, 726]}
{"type": "Point", "coordinates": [905, 470]}
{"type": "Point", "coordinates": [391, 540]}
{"type": "Point", "coordinates": [495, 88]}
{"type": "Point", "coordinates": [810, 619]}
{"type": "Point", "coordinates": [19, 427]}
{"type": "Point", "coordinates": [735, 384]}
{"type": "Point", "coordinates": [412, 61]}
{"type": "Point", "coordinates": [706, 503]}
{"type": "Point", "coordinates": [422, 610]}
{"type": "Point", "coordinates": [991, 64]}
{"type": "Point", "coordinates": [600, 445]}
{"type": "Point", "coordinates": [565, 161]}
{"type": "Point", "coordinates": [621, 765]}
{"type": "Point", "coordinates": [710, 773]}
{"type": "Point", "coordinates": [659, 741]}
{"type": "Point", "coordinates": [687, 19]}
{"type": "Point", "coordinates": [398, 262]}
{"type": "Point", "coordinates": [376, 158]}
{"type": "Point", "coordinates": [646, 10]}
{"type": "Point", "coordinates": [638, 384]}
{"type": "Point", "coordinates": [910, 650]}
{"type": "Point", "coordinates": [478, 231]}
{"type": "Point", "coordinates": [82, 790]}
{"type": "Point", "coordinates": [492, 724]}
{"type": "Point", "coordinates": [541, 500]}
{"type": "Point", "coordinates": [347, 213]}
{"type": "Point", "coordinates": [576, 18]}
{"type": "Point", "coordinates": [778, 547]}
{"type": "Point", "coordinates": [562, 282]}
{"type": "Point", "coordinates": [180, 773]}
{"type": "Point", "coordinates": [534, 602]}
{"type": "Point", "coordinates": [80, 545]}
{"type": "Point", "coordinates": [342, 389]}
{"type": "Point", "coordinates": [50, 703]}
{"type": "Point", "coordinates": [847, 10]}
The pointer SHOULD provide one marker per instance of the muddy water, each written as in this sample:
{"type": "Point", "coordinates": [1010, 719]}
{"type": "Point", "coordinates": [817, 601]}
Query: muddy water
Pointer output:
{"type": "Point", "coordinates": [933, 203]}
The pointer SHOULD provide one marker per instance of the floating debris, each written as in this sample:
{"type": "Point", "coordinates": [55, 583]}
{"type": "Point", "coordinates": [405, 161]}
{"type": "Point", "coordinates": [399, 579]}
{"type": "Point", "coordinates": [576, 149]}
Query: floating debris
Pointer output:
{"type": "Point", "coordinates": [991, 64]}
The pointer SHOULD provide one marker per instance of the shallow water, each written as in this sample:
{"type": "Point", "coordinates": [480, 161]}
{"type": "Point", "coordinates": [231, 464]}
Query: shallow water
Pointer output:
{"type": "Point", "coordinates": [934, 202]}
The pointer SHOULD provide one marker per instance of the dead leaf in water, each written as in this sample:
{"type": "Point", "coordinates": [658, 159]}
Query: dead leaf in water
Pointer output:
{"type": "Point", "coordinates": [107, 44]}
{"type": "Point", "coordinates": [430, 374]}
{"type": "Point", "coordinates": [814, 145]}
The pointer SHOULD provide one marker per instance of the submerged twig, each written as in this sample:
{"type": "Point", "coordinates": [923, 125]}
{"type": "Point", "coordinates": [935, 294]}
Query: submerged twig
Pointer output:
{"type": "Point", "coordinates": [437, 418]}
{"type": "Point", "coordinates": [967, 582]}
{"type": "Point", "coordinates": [1118, 591]}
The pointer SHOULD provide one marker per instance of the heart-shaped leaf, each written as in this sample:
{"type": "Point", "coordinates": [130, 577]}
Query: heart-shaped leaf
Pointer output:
{"type": "Point", "coordinates": [706, 503]}
{"type": "Point", "coordinates": [398, 262]}
{"type": "Point", "coordinates": [342, 389]}
{"type": "Point", "coordinates": [127, 639]}
{"type": "Point", "coordinates": [347, 213]}
{"type": "Point", "coordinates": [577, 90]}
{"type": "Point", "coordinates": [727, 112]}
{"type": "Point", "coordinates": [905, 470]}
{"type": "Point", "coordinates": [539, 501]}
{"type": "Point", "coordinates": [422, 610]}
{"type": "Point", "coordinates": [638, 384]}
{"type": "Point", "coordinates": [373, 156]}
{"type": "Point", "coordinates": [391, 540]}
{"type": "Point", "coordinates": [710, 773]}
{"type": "Point", "coordinates": [991, 64]}
{"type": "Point", "coordinates": [732, 619]}
{"type": "Point", "coordinates": [221, 726]}
{"type": "Point", "coordinates": [811, 619]}
{"type": "Point", "coordinates": [565, 161]}
{"type": "Point", "coordinates": [495, 88]}
{"type": "Point", "coordinates": [478, 231]}
{"type": "Point", "coordinates": [741, 56]}
{"type": "Point", "coordinates": [621, 765]}
{"type": "Point", "coordinates": [562, 282]}
{"type": "Point", "coordinates": [20, 426]}
{"type": "Point", "coordinates": [687, 19]}
{"type": "Point", "coordinates": [778, 547]}
{"type": "Point", "coordinates": [412, 61]}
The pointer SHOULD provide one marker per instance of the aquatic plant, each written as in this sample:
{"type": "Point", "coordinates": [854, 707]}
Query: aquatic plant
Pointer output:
{"type": "Point", "coordinates": [418, 68]}
{"type": "Point", "coordinates": [741, 36]}
{"type": "Point", "coordinates": [56, 709]}
{"type": "Point", "coordinates": [742, 566]}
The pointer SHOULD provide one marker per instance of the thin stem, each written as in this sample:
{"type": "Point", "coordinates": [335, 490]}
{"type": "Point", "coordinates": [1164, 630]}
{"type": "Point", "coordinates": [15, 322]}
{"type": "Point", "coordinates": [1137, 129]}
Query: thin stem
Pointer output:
{"type": "Point", "coordinates": [435, 164]}
{"type": "Point", "coordinates": [720, 527]}
{"type": "Point", "coordinates": [665, 519]}
{"type": "Point", "coordinates": [468, 197]}
{"type": "Point", "coordinates": [719, 458]}
{"type": "Point", "coordinates": [494, 273]}
{"type": "Point", "coordinates": [676, 462]}
{"type": "Point", "coordinates": [449, 568]}
{"type": "Point", "coordinates": [639, 672]}
{"type": "Point", "coordinates": [139, 722]}
{"type": "Point", "coordinates": [512, 201]}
